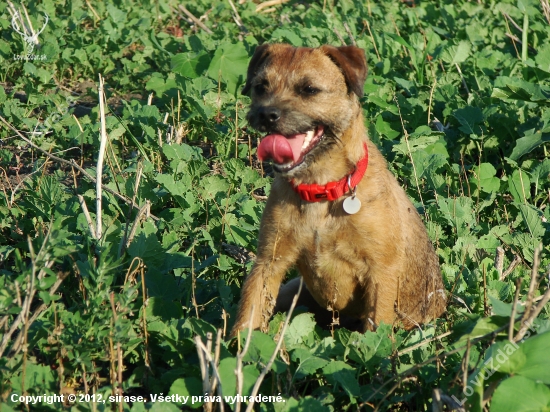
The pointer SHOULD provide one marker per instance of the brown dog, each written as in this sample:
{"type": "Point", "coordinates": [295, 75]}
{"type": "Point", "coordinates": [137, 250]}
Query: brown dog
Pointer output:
{"type": "Point", "coordinates": [372, 264]}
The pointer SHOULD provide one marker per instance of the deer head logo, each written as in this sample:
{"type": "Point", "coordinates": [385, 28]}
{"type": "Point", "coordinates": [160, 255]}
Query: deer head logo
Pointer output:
{"type": "Point", "coordinates": [25, 28]}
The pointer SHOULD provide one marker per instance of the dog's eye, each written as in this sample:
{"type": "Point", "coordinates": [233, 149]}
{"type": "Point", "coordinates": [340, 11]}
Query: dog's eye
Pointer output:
{"type": "Point", "coordinates": [310, 91]}
{"type": "Point", "coordinates": [259, 89]}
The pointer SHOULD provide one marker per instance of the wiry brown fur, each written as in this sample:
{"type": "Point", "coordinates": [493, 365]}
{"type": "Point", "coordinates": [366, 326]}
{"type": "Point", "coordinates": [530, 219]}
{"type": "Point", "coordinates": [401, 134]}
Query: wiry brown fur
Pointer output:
{"type": "Point", "coordinates": [377, 265]}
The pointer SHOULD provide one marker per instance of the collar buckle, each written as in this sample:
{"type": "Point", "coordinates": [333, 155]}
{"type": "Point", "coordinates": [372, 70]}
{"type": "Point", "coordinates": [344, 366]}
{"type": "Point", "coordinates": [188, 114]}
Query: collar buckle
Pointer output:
{"type": "Point", "coordinates": [316, 193]}
{"type": "Point", "coordinates": [334, 190]}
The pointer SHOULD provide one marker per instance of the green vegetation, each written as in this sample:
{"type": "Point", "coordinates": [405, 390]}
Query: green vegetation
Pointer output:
{"type": "Point", "coordinates": [457, 99]}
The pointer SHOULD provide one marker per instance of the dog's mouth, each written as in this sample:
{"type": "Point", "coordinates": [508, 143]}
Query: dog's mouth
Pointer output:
{"type": "Point", "coordinates": [287, 152]}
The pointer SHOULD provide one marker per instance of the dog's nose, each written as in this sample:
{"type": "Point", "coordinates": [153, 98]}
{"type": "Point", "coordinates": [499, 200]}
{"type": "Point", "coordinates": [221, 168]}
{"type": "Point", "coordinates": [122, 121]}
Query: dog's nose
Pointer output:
{"type": "Point", "coordinates": [269, 115]}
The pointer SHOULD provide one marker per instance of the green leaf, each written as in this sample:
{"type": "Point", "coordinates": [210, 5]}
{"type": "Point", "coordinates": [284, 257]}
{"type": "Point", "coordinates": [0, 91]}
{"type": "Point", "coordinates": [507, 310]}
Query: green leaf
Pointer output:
{"type": "Point", "coordinates": [541, 174]}
{"type": "Point", "coordinates": [340, 373]}
{"type": "Point", "coordinates": [500, 308]}
{"type": "Point", "coordinates": [308, 363]}
{"type": "Point", "coordinates": [40, 377]}
{"type": "Point", "coordinates": [420, 139]}
{"type": "Point", "coordinates": [543, 57]}
{"type": "Point", "coordinates": [456, 53]}
{"type": "Point", "coordinates": [250, 376]}
{"type": "Point", "coordinates": [512, 88]}
{"type": "Point", "coordinates": [502, 290]}
{"type": "Point", "coordinates": [260, 349]}
{"type": "Point", "coordinates": [518, 185]}
{"type": "Point", "coordinates": [504, 356]}
{"type": "Point", "coordinates": [117, 15]}
{"type": "Point", "coordinates": [481, 327]}
{"type": "Point", "coordinates": [175, 188]}
{"type": "Point", "coordinates": [399, 40]}
{"type": "Point", "coordinates": [159, 85]}
{"type": "Point", "coordinates": [201, 327]}
{"type": "Point", "coordinates": [299, 329]}
{"type": "Point", "coordinates": [469, 119]}
{"type": "Point", "coordinates": [190, 387]}
{"type": "Point", "coordinates": [458, 212]}
{"type": "Point", "coordinates": [214, 184]}
{"type": "Point", "coordinates": [190, 64]}
{"type": "Point", "coordinates": [385, 129]}
{"type": "Point", "coordinates": [533, 220]}
{"type": "Point", "coordinates": [163, 309]}
{"type": "Point", "coordinates": [526, 244]}
{"type": "Point", "coordinates": [530, 141]}
{"type": "Point", "coordinates": [485, 175]}
{"type": "Point", "coordinates": [146, 246]}
{"type": "Point", "coordinates": [226, 369]}
{"type": "Point", "coordinates": [289, 36]}
{"type": "Point", "coordinates": [198, 107]}
{"type": "Point", "coordinates": [427, 164]}
{"type": "Point", "coordinates": [370, 345]}
{"type": "Point", "coordinates": [229, 65]}
{"type": "Point", "coordinates": [404, 43]}
{"type": "Point", "coordinates": [519, 394]}
{"type": "Point", "coordinates": [537, 362]}
{"type": "Point", "coordinates": [44, 76]}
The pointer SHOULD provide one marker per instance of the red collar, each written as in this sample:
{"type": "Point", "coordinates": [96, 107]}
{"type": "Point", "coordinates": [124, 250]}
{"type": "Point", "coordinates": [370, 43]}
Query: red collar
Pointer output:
{"type": "Point", "coordinates": [334, 190]}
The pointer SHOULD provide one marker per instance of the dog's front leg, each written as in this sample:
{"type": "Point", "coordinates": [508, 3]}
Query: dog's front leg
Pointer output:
{"type": "Point", "coordinates": [277, 253]}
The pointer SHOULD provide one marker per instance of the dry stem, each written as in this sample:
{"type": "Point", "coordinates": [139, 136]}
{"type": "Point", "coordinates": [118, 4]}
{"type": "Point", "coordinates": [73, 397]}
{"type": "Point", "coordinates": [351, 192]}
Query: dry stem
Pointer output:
{"type": "Point", "coordinates": [100, 157]}
{"type": "Point", "coordinates": [195, 20]}
{"type": "Point", "coordinates": [204, 357]}
{"type": "Point", "coordinates": [71, 163]}
{"type": "Point", "coordinates": [240, 356]}
{"type": "Point", "coordinates": [269, 3]}
{"type": "Point", "coordinates": [87, 216]}
{"type": "Point", "coordinates": [267, 367]}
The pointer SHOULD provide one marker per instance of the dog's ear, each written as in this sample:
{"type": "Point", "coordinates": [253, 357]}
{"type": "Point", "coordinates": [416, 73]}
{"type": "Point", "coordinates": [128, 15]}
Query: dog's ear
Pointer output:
{"type": "Point", "coordinates": [260, 54]}
{"type": "Point", "coordinates": [353, 63]}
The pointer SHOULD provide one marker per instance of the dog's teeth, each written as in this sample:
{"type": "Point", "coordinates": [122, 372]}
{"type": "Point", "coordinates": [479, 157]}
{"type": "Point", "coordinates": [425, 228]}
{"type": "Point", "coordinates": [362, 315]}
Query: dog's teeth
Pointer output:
{"type": "Point", "coordinates": [307, 140]}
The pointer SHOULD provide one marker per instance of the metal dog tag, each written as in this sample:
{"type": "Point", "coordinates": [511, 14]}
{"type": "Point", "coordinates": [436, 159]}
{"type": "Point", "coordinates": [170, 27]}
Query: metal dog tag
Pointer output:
{"type": "Point", "coordinates": [351, 205]}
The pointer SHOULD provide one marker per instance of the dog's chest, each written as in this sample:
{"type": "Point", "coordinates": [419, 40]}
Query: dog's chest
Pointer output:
{"type": "Point", "coordinates": [333, 260]}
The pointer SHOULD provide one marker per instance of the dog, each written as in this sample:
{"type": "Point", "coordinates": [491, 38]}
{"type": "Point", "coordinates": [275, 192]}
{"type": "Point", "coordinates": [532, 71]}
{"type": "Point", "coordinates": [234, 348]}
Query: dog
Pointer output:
{"type": "Point", "coordinates": [335, 211]}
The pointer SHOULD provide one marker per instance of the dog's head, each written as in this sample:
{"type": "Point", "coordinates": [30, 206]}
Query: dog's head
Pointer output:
{"type": "Point", "coordinates": [303, 99]}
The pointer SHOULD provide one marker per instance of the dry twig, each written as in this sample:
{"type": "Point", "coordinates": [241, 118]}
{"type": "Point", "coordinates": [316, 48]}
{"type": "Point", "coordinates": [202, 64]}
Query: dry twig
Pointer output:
{"type": "Point", "coordinates": [546, 9]}
{"type": "Point", "coordinates": [87, 215]}
{"type": "Point", "coordinates": [499, 260]}
{"type": "Point", "coordinates": [23, 315]}
{"type": "Point", "coordinates": [532, 312]}
{"type": "Point", "coordinates": [101, 155]}
{"type": "Point", "coordinates": [269, 3]}
{"type": "Point", "coordinates": [513, 315]}
{"type": "Point", "coordinates": [350, 34]}
{"type": "Point", "coordinates": [195, 20]}
{"type": "Point", "coordinates": [240, 356]}
{"type": "Point", "coordinates": [204, 357]}
{"type": "Point", "coordinates": [237, 17]}
{"type": "Point", "coordinates": [424, 342]}
{"type": "Point", "coordinates": [71, 163]}
{"type": "Point", "coordinates": [513, 264]}
{"type": "Point", "coordinates": [267, 367]}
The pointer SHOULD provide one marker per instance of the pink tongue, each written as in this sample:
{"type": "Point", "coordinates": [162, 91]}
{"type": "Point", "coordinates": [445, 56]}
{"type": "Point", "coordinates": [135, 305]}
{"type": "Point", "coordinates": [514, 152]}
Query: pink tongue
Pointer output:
{"type": "Point", "coordinates": [280, 148]}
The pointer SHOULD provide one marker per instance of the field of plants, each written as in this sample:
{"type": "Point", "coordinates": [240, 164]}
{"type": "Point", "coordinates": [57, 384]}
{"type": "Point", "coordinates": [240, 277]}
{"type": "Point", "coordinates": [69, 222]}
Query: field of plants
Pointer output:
{"type": "Point", "coordinates": [131, 196]}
